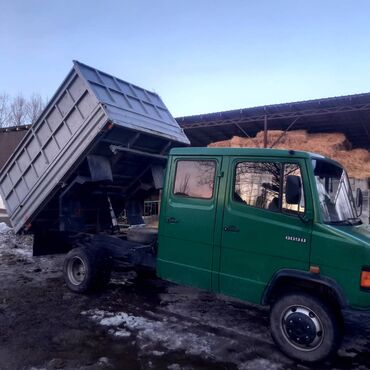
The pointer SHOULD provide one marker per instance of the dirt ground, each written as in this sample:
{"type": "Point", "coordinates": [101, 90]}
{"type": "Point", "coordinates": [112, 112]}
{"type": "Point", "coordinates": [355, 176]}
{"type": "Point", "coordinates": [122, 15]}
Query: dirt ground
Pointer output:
{"type": "Point", "coordinates": [138, 323]}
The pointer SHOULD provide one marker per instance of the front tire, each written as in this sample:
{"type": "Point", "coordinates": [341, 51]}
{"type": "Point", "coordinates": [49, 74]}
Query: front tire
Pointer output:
{"type": "Point", "coordinates": [305, 328]}
{"type": "Point", "coordinates": [86, 269]}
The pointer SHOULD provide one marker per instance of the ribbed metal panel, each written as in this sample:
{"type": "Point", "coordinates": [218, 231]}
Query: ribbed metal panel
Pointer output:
{"type": "Point", "coordinates": [132, 106]}
{"type": "Point", "coordinates": [73, 119]}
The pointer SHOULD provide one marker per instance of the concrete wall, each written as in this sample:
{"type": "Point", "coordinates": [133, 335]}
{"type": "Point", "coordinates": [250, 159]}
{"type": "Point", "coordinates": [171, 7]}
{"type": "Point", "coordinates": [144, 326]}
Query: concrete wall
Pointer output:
{"type": "Point", "coordinates": [3, 215]}
{"type": "Point", "coordinates": [8, 142]}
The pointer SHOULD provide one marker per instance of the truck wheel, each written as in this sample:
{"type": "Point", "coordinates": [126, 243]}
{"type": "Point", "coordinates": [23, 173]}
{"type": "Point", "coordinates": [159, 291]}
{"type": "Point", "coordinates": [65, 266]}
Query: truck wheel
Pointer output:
{"type": "Point", "coordinates": [305, 328]}
{"type": "Point", "coordinates": [86, 269]}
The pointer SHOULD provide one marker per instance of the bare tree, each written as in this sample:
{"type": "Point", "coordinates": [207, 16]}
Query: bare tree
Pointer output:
{"type": "Point", "coordinates": [18, 111]}
{"type": "Point", "coordinates": [35, 106]}
{"type": "Point", "coordinates": [183, 186]}
{"type": "Point", "coordinates": [4, 109]}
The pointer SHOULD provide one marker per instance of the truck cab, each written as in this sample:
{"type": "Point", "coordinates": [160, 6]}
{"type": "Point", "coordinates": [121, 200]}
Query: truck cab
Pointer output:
{"type": "Point", "coordinates": [271, 227]}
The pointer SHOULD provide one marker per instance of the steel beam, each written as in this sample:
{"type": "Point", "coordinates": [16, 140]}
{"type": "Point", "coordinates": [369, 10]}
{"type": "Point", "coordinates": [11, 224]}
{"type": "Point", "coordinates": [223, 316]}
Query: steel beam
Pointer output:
{"type": "Point", "coordinates": [273, 116]}
{"type": "Point", "coordinates": [115, 149]}
{"type": "Point", "coordinates": [277, 141]}
{"type": "Point", "coordinates": [166, 147]}
{"type": "Point", "coordinates": [241, 129]}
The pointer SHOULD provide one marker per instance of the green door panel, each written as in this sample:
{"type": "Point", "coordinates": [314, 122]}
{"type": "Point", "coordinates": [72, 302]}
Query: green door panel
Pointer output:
{"type": "Point", "coordinates": [257, 242]}
{"type": "Point", "coordinates": [250, 257]}
{"type": "Point", "coordinates": [187, 232]}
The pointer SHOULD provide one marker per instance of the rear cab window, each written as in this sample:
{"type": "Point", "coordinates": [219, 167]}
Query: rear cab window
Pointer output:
{"type": "Point", "coordinates": [194, 179]}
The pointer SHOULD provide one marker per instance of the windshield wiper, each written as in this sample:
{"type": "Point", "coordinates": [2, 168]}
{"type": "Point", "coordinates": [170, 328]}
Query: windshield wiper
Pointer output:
{"type": "Point", "coordinates": [340, 222]}
{"type": "Point", "coordinates": [357, 220]}
{"type": "Point", "coordinates": [347, 221]}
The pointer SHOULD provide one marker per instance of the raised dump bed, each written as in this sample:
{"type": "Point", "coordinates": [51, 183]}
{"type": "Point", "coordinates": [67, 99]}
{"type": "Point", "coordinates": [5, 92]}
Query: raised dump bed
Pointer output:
{"type": "Point", "coordinates": [96, 128]}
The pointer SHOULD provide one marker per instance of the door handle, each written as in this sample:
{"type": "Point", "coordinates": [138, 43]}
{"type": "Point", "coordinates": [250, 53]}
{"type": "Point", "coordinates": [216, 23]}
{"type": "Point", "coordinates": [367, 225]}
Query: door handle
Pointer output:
{"type": "Point", "coordinates": [172, 220]}
{"type": "Point", "coordinates": [231, 229]}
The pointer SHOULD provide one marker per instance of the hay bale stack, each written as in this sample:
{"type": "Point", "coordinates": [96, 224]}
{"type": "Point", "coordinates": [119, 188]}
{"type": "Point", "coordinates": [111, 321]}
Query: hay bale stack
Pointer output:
{"type": "Point", "coordinates": [333, 145]}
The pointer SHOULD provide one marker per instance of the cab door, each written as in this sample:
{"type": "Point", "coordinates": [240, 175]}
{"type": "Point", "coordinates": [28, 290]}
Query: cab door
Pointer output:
{"type": "Point", "coordinates": [188, 212]}
{"type": "Point", "coordinates": [261, 232]}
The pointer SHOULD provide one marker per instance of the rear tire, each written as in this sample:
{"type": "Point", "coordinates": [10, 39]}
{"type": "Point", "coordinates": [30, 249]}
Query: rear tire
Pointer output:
{"type": "Point", "coordinates": [86, 269]}
{"type": "Point", "coordinates": [305, 328]}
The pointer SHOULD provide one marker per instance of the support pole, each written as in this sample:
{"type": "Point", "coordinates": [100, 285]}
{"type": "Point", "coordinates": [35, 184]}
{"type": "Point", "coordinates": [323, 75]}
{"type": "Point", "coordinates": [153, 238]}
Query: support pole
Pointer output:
{"type": "Point", "coordinates": [265, 132]}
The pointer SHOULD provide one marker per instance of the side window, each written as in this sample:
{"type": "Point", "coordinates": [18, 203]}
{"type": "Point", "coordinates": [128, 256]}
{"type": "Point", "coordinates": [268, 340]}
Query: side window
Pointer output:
{"type": "Point", "coordinates": [257, 184]}
{"type": "Point", "coordinates": [195, 178]}
{"type": "Point", "coordinates": [292, 169]}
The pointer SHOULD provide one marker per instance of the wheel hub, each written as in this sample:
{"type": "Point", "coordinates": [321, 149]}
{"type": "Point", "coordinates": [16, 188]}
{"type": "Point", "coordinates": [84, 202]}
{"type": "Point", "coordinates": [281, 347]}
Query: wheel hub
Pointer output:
{"type": "Point", "coordinates": [76, 270]}
{"type": "Point", "coordinates": [302, 328]}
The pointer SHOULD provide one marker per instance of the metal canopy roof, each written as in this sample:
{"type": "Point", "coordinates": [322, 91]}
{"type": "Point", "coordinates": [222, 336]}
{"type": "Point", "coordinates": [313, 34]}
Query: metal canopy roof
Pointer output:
{"type": "Point", "coordinates": [347, 114]}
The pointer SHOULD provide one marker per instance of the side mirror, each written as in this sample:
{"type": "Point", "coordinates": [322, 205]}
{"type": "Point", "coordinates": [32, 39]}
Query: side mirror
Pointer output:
{"type": "Point", "coordinates": [293, 189]}
{"type": "Point", "coordinates": [359, 201]}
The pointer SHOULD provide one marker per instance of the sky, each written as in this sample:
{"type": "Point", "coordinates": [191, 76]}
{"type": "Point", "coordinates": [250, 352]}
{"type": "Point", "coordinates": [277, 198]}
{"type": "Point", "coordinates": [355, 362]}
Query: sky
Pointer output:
{"type": "Point", "coordinates": [200, 56]}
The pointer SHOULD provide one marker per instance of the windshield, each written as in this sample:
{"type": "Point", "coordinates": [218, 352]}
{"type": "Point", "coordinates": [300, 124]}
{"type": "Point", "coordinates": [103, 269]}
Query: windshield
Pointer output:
{"type": "Point", "coordinates": [335, 195]}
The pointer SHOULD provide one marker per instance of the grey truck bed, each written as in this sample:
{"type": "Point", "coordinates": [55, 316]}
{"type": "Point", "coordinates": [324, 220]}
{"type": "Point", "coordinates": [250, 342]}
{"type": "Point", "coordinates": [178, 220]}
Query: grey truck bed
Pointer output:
{"type": "Point", "coordinates": [89, 108]}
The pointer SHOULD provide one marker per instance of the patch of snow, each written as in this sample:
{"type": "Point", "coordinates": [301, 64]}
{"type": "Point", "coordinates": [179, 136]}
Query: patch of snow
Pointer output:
{"type": "Point", "coordinates": [120, 282]}
{"type": "Point", "coordinates": [174, 367]}
{"type": "Point", "coordinates": [4, 228]}
{"type": "Point", "coordinates": [199, 324]}
{"type": "Point", "coordinates": [116, 320]}
{"type": "Point", "coordinates": [258, 364]}
{"type": "Point", "coordinates": [156, 329]}
{"type": "Point", "coordinates": [150, 332]}
{"type": "Point", "coordinates": [22, 252]}
{"type": "Point", "coordinates": [347, 353]}
{"type": "Point", "coordinates": [122, 333]}
{"type": "Point", "coordinates": [104, 362]}
{"type": "Point", "coordinates": [124, 278]}
{"type": "Point", "coordinates": [15, 245]}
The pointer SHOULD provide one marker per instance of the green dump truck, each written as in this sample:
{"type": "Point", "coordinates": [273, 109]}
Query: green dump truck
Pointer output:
{"type": "Point", "coordinates": [272, 227]}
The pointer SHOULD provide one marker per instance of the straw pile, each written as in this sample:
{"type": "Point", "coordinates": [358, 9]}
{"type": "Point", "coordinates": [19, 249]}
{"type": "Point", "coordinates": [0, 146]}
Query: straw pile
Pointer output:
{"type": "Point", "coordinates": [333, 145]}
